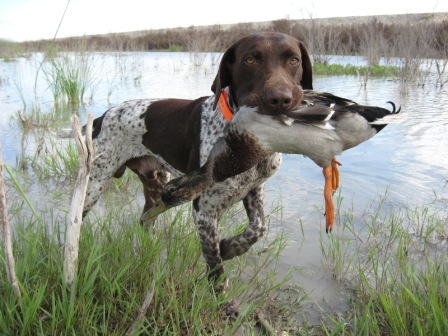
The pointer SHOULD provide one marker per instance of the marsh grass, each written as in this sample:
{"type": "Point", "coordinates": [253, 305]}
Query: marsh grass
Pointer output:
{"type": "Point", "coordinates": [9, 50]}
{"type": "Point", "coordinates": [118, 261]}
{"type": "Point", "coordinates": [57, 160]}
{"type": "Point", "coordinates": [374, 70]}
{"type": "Point", "coordinates": [71, 75]}
{"type": "Point", "coordinates": [396, 266]}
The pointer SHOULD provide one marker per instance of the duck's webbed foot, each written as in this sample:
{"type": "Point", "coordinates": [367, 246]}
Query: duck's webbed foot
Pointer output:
{"type": "Point", "coordinates": [335, 173]}
{"type": "Point", "coordinates": [331, 174]}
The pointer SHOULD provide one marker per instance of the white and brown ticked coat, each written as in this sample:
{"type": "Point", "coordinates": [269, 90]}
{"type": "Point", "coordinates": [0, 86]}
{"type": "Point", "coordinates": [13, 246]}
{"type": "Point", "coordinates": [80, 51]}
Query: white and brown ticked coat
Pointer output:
{"type": "Point", "coordinates": [266, 70]}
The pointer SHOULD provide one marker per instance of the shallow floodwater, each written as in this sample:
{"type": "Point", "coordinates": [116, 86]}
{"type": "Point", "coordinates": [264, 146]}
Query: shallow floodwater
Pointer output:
{"type": "Point", "coordinates": [406, 161]}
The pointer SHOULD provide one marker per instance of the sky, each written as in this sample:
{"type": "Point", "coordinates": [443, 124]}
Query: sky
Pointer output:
{"type": "Point", "coordinates": [22, 20]}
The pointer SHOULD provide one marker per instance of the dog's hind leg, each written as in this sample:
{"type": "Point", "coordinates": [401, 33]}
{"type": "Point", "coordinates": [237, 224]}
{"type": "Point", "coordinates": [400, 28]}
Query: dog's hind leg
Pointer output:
{"type": "Point", "coordinates": [153, 183]}
{"type": "Point", "coordinates": [240, 244]}
{"type": "Point", "coordinates": [153, 176]}
{"type": "Point", "coordinates": [152, 186]}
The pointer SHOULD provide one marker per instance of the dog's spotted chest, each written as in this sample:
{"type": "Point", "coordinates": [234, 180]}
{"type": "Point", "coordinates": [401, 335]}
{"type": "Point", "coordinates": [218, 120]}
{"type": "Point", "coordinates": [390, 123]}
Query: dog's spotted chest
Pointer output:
{"type": "Point", "coordinates": [212, 128]}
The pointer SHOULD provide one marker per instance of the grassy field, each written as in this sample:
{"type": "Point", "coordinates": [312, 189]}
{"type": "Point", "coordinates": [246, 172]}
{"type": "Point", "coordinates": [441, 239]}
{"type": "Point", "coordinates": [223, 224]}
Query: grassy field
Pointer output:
{"type": "Point", "coordinates": [394, 266]}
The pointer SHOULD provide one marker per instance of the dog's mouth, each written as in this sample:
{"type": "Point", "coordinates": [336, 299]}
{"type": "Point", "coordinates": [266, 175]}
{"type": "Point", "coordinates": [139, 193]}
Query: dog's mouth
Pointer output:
{"type": "Point", "coordinates": [271, 107]}
{"type": "Point", "coordinates": [278, 110]}
{"type": "Point", "coordinates": [275, 101]}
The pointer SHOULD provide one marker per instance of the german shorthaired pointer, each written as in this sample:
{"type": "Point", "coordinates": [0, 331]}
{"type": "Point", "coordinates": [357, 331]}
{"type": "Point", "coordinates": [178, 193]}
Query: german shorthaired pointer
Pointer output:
{"type": "Point", "coordinates": [153, 138]}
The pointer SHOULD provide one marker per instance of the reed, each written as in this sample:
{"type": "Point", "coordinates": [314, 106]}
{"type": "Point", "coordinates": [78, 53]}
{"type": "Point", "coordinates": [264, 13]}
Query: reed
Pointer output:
{"type": "Point", "coordinates": [396, 267]}
{"type": "Point", "coordinates": [70, 76]}
{"type": "Point", "coordinates": [118, 261]}
{"type": "Point", "coordinates": [56, 160]}
{"type": "Point", "coordinates": [348, 69]}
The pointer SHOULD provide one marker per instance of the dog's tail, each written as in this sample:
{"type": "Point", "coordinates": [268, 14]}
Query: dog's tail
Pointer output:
{"type": "Point", "coordinates": [68, 132]}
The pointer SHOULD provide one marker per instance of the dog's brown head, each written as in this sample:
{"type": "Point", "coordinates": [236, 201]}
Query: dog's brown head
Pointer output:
{"type": "Point", "coordinates": [265, 70]}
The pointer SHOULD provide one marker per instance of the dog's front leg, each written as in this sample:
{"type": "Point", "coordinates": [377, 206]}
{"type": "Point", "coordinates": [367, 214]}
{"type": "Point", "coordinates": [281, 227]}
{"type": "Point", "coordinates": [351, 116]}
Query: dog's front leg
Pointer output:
{"type": "Point", "coordinates": [208, 233]}
{"type": "Point", "coordinates": [240, 244]}
{"type": "Point", "coordinates": [207, 225]}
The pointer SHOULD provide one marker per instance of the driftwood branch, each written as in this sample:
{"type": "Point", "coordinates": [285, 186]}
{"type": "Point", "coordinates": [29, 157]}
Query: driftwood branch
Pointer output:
{"type": "Point", "coordinates": [85, 150]}
{"type": "Point", "coordinates": [6, 233]}
{"type": "Point", "coordinates": [143, 309]}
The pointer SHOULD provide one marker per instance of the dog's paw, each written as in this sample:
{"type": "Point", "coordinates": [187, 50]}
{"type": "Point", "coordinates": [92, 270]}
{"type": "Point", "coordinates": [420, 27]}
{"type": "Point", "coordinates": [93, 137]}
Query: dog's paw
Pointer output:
{"type": "Point", "coordinates": [231, 310]}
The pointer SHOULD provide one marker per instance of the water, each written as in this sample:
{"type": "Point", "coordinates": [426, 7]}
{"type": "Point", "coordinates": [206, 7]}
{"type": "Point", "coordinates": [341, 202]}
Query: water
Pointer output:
{"type": "Point", "coordinates": [406, 161]}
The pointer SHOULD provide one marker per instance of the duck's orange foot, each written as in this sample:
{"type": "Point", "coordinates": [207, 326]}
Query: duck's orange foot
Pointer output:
{"type": "Point", "coordinates": [331, 174]}
{"type": "Point", "coordinates": [335, 174]}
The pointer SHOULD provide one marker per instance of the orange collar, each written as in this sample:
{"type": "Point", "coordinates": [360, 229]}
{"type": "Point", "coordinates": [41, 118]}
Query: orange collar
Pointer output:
{"type": "Point", "coordinates": [224, 106]}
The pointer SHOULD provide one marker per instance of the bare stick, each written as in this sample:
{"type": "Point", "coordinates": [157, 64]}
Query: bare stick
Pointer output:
{"type": "Point", "coordinates": [143, 309]}
{"type": "Point", "coordinates": [85, 150]}
{"type": "Point", "coordinates": [264, 324]}
{"type": "Point", "coordinates": [6, 233]}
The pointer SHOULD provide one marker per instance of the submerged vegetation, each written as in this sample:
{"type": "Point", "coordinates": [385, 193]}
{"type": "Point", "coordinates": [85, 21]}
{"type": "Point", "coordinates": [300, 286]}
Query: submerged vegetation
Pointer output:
{"type": "Point", "coordinates": [70, 76]}
{"type": "Point", "coordinates": [397, 270]}
{"type": "Point", "coordinates": [338, 69]}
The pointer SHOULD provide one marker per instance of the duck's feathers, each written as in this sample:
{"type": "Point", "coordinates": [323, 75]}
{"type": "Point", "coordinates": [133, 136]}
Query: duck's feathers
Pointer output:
{"type": "Point", "coordinates": [377, 117]}
{"type": "Point", "coordinates": [317, 108]}
{"type": "Point", "coordinates": [317, 115]}
{"type": "Point", "coordinates": [312, 98]}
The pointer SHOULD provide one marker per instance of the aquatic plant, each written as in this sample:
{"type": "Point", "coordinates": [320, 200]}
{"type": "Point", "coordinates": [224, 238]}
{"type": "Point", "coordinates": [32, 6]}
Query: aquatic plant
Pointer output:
{"type": "Point", "coordinates": [70, 76]}
{"type": "Point", "coordinates": [348, 69]}
{"type": "Point", "coordinates": [396, 266]}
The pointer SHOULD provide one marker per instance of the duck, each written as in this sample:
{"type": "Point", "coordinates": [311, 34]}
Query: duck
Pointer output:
{"type": "Point", "coordinates": [320, 128]}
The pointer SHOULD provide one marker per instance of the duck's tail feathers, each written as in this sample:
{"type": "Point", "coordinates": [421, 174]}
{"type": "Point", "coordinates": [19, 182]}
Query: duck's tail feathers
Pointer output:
{"type": "Point", "coordinates": [394, 118]}
{"type": "Point", "coordinates": [394, 110]}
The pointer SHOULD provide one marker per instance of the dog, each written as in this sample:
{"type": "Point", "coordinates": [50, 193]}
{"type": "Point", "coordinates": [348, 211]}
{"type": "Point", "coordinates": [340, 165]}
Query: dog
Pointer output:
{"type": "Point", "coordinates": [268, 71]}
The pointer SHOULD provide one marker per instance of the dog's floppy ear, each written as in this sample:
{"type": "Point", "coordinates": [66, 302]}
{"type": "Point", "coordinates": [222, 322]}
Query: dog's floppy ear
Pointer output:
{"type": "Point", "coordinates": [307, 75]}
{"type": "Point", "coordinates": [224, 76]}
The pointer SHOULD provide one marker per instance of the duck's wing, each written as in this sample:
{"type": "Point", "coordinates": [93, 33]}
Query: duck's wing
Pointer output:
{"type": "Point", "coordinates": [313, 98]}
{"type": "Point", "coordinates": [317, 115]}
{"type": "Point", "coordinates": [316, 108]}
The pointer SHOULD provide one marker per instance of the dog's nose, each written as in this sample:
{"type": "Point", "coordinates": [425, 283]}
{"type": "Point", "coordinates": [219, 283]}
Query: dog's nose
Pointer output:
{"type": "Point", "coordinates": [278, 100]}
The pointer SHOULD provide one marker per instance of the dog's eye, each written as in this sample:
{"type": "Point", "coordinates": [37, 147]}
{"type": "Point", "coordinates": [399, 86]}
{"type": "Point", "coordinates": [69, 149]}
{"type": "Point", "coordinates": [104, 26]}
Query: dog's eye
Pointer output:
{"type": "Point", "coordinates": [250, 60]}
{"type": "Point", "coordinates": [294, 60]}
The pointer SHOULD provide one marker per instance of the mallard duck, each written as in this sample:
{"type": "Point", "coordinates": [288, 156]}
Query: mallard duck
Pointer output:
{"type": "Point", "coordinates": [321, 128]}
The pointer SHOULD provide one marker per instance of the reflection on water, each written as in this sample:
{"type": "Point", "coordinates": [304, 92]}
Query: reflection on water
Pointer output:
{"type": "Point", "coordinates": [408, 161]}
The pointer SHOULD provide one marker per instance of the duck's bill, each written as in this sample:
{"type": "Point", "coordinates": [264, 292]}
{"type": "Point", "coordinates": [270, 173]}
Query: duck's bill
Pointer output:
{"type": "Point", "coordinates": [156, 210]}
